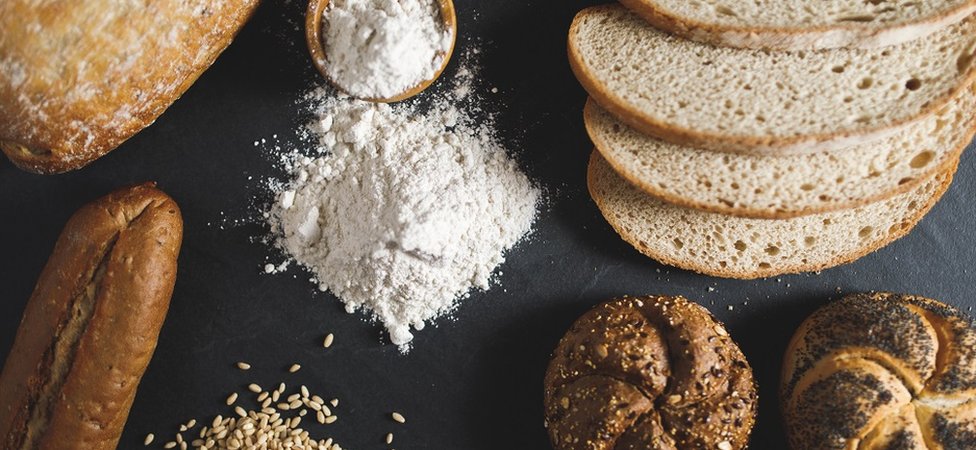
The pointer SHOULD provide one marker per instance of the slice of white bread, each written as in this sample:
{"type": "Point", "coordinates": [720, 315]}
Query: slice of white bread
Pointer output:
{"type": "Point", "coordinates": [735, 247]}
{"type": "Point", "coordinates": [760, 102]}
{"type": "Point", "coordinates": [786, 186]}
{"type": "Point", "coordinates": [802, 24]}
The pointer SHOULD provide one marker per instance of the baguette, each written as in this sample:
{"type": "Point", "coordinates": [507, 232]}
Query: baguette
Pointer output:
{"type": "Point", "coordinates": [79, 77]}
{"type": "Point", "coordinates": [801, 24]}
{"type": "Point", "coordinates": [736, 247]}
{"type": "Point", "coordinates": [787, 186]}
{"type": "Point", "coordinates": [90, 327]}
{"type": "Point", "coordinates": [749, 101]}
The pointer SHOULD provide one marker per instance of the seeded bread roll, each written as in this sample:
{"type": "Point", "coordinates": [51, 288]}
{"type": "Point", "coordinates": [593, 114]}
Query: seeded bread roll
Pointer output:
{"type": "Point", "coordinates": [79, 77]}
{"type": "Point", "coordinates": [90, 327]}
{"type": "Point", "coordinates": [750, 101]}
{"type": "Point", "coordinates": [737, 247]}
{"type": "Point", "coordinates": [881, 371]}
{"type": "Point", "coordinates": [786, 186]}
{"type": "Point", "coordinates": [649, 373]}
{"type": "Point", "coordinates": [801, 24]}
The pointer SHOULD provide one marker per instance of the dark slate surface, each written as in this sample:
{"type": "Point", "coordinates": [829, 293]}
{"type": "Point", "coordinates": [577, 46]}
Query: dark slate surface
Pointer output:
{"type": "Point", "coordinates": [470, 383]}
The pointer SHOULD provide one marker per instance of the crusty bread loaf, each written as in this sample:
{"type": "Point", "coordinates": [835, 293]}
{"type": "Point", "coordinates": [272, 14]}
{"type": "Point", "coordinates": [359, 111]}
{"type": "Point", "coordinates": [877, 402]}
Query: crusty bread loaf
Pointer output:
{"type": "Point", "coordinates": [881, 371]}
{"type": "Point", "coordinates": [800, 24]}
{"type": "Point", "coordinates": [79, 77]}
{"type": "Point", "coordinates": [649, 373]}
{"type": "Point", "coordinates": [752, 101]}
{"type": "Point", "coordinates": [786, 186]}
{"type": "Point", "coordinates": [736, 247]}
{"type": "Point", "coordinates": [91, 325]}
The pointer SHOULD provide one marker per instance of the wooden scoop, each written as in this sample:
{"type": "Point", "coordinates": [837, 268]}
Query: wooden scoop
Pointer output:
{"type": "Point", "coordinates": [313, 36]}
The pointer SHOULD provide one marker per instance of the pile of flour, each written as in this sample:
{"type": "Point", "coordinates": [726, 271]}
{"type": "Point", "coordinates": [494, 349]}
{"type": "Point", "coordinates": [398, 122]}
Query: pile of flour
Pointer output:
{"type": "Point", "coordinates": [402, 213]}
{"type": "Point", "coordinates": [382, 48]}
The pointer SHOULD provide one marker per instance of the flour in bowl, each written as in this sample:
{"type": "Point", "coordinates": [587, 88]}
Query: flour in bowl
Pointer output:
{"type": "Point", "coordinates": [383, 48]}
{"type": "Point", "coordinates": [400, 213]}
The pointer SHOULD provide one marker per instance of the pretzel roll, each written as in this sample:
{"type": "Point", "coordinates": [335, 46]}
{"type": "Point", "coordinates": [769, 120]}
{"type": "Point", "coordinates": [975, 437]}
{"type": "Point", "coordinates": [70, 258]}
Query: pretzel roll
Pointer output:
{"type": "Point", "coordinates": [649, 373]}
{"type": "Point", "coordinates": [881, 371]}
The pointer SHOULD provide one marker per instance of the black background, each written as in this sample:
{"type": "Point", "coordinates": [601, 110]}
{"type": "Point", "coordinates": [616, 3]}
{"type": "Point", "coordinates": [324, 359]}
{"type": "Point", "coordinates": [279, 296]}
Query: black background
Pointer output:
{"type": "Point", "coordinates": [472, 382]}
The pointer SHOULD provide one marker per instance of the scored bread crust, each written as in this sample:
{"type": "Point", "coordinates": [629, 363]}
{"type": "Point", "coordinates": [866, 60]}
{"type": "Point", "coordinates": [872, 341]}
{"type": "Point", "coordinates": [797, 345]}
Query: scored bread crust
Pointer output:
{"type": "Point", "coordinates": [598, 168]}
{"type": "Point", "coordinates": [99, 71]}
{"type": "Point", "coordinates": [755, 144]}
{"type": "Point", "coordinates": [947, 158]}
{"type": "Point", "coordinates": [918, 348]}
{"type": "Point", "coordinates": [838, 35]}
{"type": "Point", "coordinates": [649, 372]}
{"type": "Point", "coordinates": [91, 325]}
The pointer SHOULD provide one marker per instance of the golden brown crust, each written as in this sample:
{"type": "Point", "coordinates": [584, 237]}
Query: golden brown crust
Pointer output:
{"type": "Point", "coordinates": [100, 71]}
{"type": "Point", "coordinates": [649, 373]}
{"type": "Point", "coordinates": [90, 327]}
{"type": "Point", "coordinates": [838, 35]}
{"type": "Point", "coordinates": [883, 370]}
{"type": "Point", "coordinates": [755, 145]}
{"type": "Point", "coordinates": [765, 213]}
{"type": "Point", "coordinates": [664, 258]}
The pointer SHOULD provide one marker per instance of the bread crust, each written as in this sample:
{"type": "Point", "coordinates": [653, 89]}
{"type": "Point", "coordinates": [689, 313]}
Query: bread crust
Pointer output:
{"type": "Point", "coordinates": [637, 372]}
{"type": "Point", "coordinates": [664, 258]}
{"type": "Point", "coordinates": [100, 71]}
{"type": "Point", "coordinates": [839, 35]}
{"type": "Point", "coordinates": [90, 327]}
{"type": "Point", "coordinates": [751, 145]}
{"type": "Point", "coordinates": [915, 346]}
{"type": "Point", "coordinates": [765, 213]}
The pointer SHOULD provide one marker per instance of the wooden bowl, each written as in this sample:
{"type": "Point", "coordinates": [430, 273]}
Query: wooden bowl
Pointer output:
{"type": "Point", "coordinates": [313, 37]}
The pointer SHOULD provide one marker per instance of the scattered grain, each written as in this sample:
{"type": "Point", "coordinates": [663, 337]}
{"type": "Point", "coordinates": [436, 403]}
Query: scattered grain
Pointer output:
{"type": "Point", "coordinates": [294, 368]}
{"type": "Point", "coordinates": [149, 438]}
{"type": "Point", "coordinates": [243, 366]}
{"type": "Point", "coordinates": [398, 417]}
{"type": "Point", "coordinates": [328, 340]}
{"type": "Point", "coordinates": [231, 399]}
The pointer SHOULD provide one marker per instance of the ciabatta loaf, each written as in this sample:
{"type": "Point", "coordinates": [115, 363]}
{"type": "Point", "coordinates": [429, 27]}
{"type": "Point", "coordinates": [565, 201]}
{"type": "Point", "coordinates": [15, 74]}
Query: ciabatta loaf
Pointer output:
{"type": "Point", "coordinates": [79, 77]}
{"type": "Point", "coordinates": [786, 186]}
{"type": "Point", "coordinates": [759, 102]}
{"type": "Point", "coordinates": [735, 247]}
{"type": "Point", "coordinates": [802, 24]}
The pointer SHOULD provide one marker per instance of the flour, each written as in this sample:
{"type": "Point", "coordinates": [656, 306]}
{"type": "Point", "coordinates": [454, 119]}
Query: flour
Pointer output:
{"type": "Point", "coordinates": [383, 48]}
{"type": "Point", "coordinates": [401, 213]}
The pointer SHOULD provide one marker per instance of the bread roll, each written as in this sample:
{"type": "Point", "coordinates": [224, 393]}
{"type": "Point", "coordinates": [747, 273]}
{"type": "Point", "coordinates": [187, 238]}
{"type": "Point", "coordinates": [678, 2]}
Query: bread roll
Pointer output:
{"type": "Point", "coordinates": [881, 371]}
{"type": "Point", "coordinates": [79, 77]}
{"type": "Point", "coordinates": [90, 327]}
{"type": "Point", "coordinates": [649, 373]}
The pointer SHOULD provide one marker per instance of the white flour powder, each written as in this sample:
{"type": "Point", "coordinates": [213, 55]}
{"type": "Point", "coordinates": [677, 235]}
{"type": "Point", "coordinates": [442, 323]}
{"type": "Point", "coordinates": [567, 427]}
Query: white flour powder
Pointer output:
{"type": "Point", "coordinates": [382, 48]}
{"type": "Point", "coordinates": [403, 213]}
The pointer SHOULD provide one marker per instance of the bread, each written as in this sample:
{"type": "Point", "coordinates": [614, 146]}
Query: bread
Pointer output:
{"type": "Point", "coordinates": [881, 371]}
{"type": "Point", "coordinates": [758, 102]}
{"type": "Point", "coordinates": [735, 247]}
{"type": "Point", "coordinates": [652, 372]}
{"type": "Point", "coordinates": [77, 78]}
{"type": "Point", "coordinates": [90, 327]}
{"type": "Point", "coordinates": [787, 186]}
{"type": "Point", "coordinates": [799, 24]}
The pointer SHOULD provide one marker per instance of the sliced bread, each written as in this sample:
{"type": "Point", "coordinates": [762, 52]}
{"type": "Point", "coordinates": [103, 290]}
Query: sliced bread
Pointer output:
{"type": "Point", "coordinates": [735, 247]}
{"type": "Point", "coordinates": [802, 24]}
{"type": "Point", "coordinates": [787, 186]}
{"type": "Point", "coordinates": [760, 102]}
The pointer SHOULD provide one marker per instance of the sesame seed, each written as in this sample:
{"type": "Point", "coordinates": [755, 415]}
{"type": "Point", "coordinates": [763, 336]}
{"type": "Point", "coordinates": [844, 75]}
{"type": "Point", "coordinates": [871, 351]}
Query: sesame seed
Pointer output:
{"type": "Point", "coordinates": [243, 365]}
{"type": "Point", "coordinates": [254, 388]}
{"type": "Point", "coordinates": [398, 417]}
{"type": "Point", "coordinates": [170, 444]}
{"type": "Point", "coordinates": [389, 438]}
{"type": "Point", "coordinates": [331, 419]}
{"type": "Point", "coordinates": [231, 399]}
{"type": "Point", "coordinates": [149, 438]}
{"type": "Point", "coordinates": [328, 340]}
{"type": "Point", "coordinates": [334, 402]}
{"type": "Point", "coordinates": [294, 368]}
{"type": "Point", "coordinates": [192, 423]}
